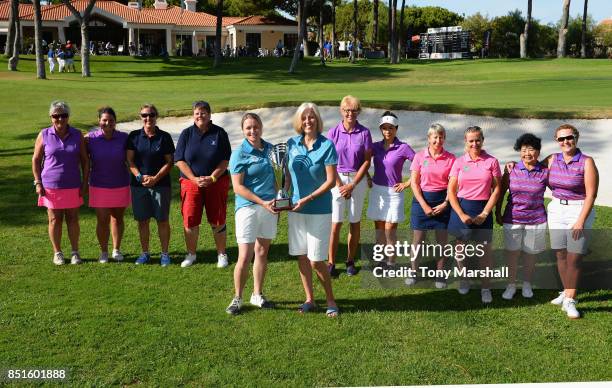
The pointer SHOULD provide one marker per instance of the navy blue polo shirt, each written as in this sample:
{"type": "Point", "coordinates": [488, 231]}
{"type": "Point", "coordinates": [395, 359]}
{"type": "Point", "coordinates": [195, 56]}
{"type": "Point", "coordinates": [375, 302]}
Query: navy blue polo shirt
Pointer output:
{"type": "Point", "coordinates": [149, 153]}
{"type": "Point", "coordinates": [203, 151]}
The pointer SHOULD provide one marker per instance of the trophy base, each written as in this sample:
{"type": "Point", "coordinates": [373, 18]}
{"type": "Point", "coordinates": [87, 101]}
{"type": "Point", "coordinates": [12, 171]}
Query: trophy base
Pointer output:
{"type": "Point", "coordinates": [282, 204]}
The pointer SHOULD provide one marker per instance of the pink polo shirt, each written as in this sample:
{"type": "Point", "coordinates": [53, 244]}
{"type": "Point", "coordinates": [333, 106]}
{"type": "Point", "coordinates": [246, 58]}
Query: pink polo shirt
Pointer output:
{"type": "Point", "coordinates": [475, 176]}
{"type": "Point", "coordinates": [434, 172]}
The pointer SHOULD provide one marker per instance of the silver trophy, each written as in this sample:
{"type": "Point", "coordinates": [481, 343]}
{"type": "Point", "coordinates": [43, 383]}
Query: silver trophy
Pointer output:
{"type": "Point", "coordinates": [278, 157]}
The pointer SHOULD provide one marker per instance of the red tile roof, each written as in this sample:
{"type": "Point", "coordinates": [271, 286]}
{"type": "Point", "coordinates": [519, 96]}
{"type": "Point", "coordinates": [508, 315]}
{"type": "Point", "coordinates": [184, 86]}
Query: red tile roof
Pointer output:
{"type": "Point", "coordinates": [172, 15]}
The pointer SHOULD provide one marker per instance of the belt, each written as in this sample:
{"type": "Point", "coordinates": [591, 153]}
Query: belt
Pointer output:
{"type": "Point", "coordinates": [347, 173]}
{"type": "Point", "coordinates": [570, 201]}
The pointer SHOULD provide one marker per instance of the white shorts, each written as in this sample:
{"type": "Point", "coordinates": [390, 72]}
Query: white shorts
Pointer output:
{"type": "Point", "coordinates": [353, 205]}
{"type": "Point", "coordinates": [528, 238]}
{"type": "Point", "coordinates": [386, 205]}
{"type": "Point", "coordinates": [309, 235]}
{"type": "Point", "coordinates": [253, 222]}
{"type": "Point", "coordinates": [561, 218]}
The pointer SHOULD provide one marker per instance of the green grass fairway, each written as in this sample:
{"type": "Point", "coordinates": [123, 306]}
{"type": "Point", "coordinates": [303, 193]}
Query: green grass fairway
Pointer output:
{"type": "Point", "coordinates": [118, 324]}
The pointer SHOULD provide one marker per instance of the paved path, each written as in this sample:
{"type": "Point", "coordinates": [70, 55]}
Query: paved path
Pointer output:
{"type": "Point", "coordinates": [500, 133]}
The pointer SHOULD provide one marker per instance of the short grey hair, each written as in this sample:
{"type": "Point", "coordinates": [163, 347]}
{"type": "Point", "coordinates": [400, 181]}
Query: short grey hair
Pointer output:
{"type": "Point", "coordinates": [437, 129]}
{"type": "Point", "coordinates": [59, 106]}
{"type": "Point", "coordinates": [297, 117]}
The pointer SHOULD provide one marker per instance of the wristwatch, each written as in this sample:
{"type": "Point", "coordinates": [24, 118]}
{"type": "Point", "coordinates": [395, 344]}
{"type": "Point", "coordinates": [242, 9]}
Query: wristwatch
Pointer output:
{"type": "Point", "coordinates": [37, 183]}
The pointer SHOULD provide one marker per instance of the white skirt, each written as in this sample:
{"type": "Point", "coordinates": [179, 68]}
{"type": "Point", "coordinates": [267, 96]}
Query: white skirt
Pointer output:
{"type": "Point", "coordinates": [386, 205]}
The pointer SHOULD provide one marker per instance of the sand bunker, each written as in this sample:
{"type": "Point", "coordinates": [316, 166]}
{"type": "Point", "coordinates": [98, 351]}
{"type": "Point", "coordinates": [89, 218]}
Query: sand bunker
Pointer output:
{"type": "Point", "coordinates": [500, 133]}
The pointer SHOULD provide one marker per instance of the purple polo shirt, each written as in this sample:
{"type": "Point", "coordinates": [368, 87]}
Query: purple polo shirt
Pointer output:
{"type": "Point", "coordinates": [567, 179]}
{"type": "Point", "coordinates": [351, 147]}
{"type": "Point", "coordinates": [108, 159]}
{"type": "Point", "coordinates": [388, 163]}
{"type": "Point", "coordinates": [61, 167]}
{"type": "Point", "coordinates": [526, 200]}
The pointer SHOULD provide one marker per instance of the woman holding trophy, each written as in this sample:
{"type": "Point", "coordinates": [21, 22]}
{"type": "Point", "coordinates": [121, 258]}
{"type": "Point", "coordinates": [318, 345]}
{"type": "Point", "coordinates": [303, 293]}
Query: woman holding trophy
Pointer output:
{"type": "Point", "coordinates": [256, 215]}
{"type": "Point", "coordinates": [312, 160]}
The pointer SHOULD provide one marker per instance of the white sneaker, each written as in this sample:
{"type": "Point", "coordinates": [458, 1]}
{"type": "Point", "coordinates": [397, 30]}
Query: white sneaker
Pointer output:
{"type": "Point", "coordinates": [509, 292]}
{"type": "Point", "coordinates": [75, 259]}
{"type": "Point", "coordinates": [569, 306]}
{"type": "Point", "coordinates": [189, 260]}
{"type": "Point", "coordinates": [559, 300]}
{"type": "Point", "coordinates": [234, 306]}
{"type": "Point", "coordinates": [440, 284]}
{"type": "Point", "coordinates": [527, 291]}
{"type": "Point", "coordinates": [58, 258]}
{"type": "Point", "coordinates": [222, 260]}
{"type": "Point", "coordinates": [103, 258]}
{"type": "Point", "coordinates": [117, 255]}
{"type": "Point", "coordinates": [464, 287]}
{"type": "Point", "coordinates": [486, 296]}
{"type": "Point", "coordinates": [410, 281]}
{"type": "Point", "coordinates": [261, 301]}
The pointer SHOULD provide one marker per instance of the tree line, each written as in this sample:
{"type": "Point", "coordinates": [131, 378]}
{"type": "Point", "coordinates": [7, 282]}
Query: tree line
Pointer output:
{"type": "Point", "coordinates": [373, 22]}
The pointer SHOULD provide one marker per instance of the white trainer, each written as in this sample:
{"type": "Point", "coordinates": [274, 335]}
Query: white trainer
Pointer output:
{"type": "Point", "coordinates": [410, 281]}
{"type": "Point", "coordinates": [58, 258]}
{"type": "Point", "coordinates": [103, 259]}
{"type": "Point", "coordinates": [261, 301]}
{"type": "Point", "coordinates": [440, 284]}
{"type": "Point", "coordinates": [569, 306]}
{"type": "Point", "coordinates": [117, 255]}
{"type": "Point", "coordinates": [509, 292]}
{"type": "Point", "coordinates": [559, 300]}
{"type": "Point", "coordinates": [464, 287]}
{"type": "Point", "coordinates": [222, 260]}
{"type": "Point", "coordinates": [189, 260]}
{"type": "Point", "coordinates": [486, 296]}
{"type": "Point", "coordinates": [75, 259]}
{"type": "Point", "coordinates": [527, 291]}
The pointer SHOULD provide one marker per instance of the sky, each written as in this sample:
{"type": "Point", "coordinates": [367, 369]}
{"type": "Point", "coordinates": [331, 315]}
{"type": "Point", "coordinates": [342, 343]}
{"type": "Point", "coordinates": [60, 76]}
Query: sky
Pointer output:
{"type": "Point", "coordinates": [547, 11]}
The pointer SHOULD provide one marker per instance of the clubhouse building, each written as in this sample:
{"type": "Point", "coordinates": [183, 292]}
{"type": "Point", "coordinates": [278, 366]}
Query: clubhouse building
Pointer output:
{"type": "Point", "coordinates": [163, 27]}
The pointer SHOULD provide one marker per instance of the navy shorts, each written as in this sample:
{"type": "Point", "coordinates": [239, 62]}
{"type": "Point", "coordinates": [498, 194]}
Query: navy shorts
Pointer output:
{"type": "Point", "coordinates": [151, 202]}
{"type": "Point", "coordinates": [463, 232]}
{"type": "Point", "coordinates": [421, 221]}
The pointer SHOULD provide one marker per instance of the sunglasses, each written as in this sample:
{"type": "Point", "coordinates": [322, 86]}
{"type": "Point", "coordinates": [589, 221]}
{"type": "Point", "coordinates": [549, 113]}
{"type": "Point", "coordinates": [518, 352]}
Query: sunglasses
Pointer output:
{"type": "Point", "coordinates": [60, 116]}
{"type": "Point", "coordinates": [353, 111]}
{"type": "Point", "coordinates": [564, 138]}
{"type": "Point", "coordinates": [151, 115]}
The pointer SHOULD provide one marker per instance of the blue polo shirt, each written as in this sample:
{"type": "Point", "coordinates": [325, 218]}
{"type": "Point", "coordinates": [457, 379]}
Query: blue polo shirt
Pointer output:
{"type": "Point", "coordinates": [203, 151]}
{"type": "Point", "coordinates": [307, 170]}
{"type": "Point", "coordinates": [149, 153]}
{"type": "Point", "coordinates": [257, 170]}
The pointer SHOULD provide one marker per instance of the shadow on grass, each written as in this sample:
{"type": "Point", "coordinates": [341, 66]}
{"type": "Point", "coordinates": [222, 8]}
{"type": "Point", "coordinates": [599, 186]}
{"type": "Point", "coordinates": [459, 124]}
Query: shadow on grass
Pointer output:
{"type": "Point", "coordinates": [18, 206]}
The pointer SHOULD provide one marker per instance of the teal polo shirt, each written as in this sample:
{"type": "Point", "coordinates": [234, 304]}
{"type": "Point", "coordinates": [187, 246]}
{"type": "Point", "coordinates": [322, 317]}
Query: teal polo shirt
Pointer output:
{"type": "Point", "coordinates": [257, 170]}
{"type": "Point", "coordinates": [307, 170]}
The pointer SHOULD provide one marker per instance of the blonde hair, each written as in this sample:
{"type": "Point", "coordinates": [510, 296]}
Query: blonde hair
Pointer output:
{"type": "Point", "coordinates": [297, 117]}
{"type": "Point", "coordinates": [567, 126]}
{"type": "Point", "coordinates": [250, 115]}
{"type": "Point", "coordinates": [473, 129]}
{"type": "Point", "coordinates": [351, 100]}
{"type": "Point", "coordinates": [151, 107]}
{"type": "Point", "coordinates": [436, 128]}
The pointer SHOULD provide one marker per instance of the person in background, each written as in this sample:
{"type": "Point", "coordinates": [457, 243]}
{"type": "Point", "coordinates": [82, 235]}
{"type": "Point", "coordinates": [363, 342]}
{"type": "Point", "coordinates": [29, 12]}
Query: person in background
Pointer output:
{"type": "Point", "coordinates": [353, 143]}
{"type": "Point", "coordinates": [51, 59]}
{"type": "Point", "coordinates": [202, 155]}
{"type": "Point", "coordinates": [59, 160]}
{"type": "Point", "coordinates": [109, 181]}
{"type": "Point", "coordinates": [149, 156]}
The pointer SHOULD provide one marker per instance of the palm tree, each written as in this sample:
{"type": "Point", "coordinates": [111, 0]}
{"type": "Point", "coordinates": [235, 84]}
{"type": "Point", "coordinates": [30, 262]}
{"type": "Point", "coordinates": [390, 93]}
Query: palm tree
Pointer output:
{"type": "Point", "coordinates": [301, 17]}
{"type": "Point", "coordinates": [83, 20]}
{"type": "Point", "coordinates": [392, 36]}
{"type": "Point", "coordinates": [40, 59]}
{"type": "Point", "coordinates": [217, 61]}
{"type": "Point", "coordinates": [563, 29]}
{"type": "Point", "coordinates": [14, 59]}
{"type": "Point", "coordinates": [10, 35]}
{"type": "Point", "coordinates": [584, 30]}
{"type": "Point", "coordinates": [375, 18]}
{"type": "Point", "coordinates": [400, 32]}
{"type": "Point", "coordinates": [525, 36]}
{"type": "Point", "coordinates": [320, 32]}
{"type": "Point", "coordinates": [333, 39]}
{"type": "Point", "coordinates": [354, 30]}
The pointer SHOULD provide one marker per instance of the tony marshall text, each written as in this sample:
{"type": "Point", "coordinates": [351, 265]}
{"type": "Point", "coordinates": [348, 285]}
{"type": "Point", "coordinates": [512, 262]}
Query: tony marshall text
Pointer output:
{"type": "Point", "coordinates": [425, 272]}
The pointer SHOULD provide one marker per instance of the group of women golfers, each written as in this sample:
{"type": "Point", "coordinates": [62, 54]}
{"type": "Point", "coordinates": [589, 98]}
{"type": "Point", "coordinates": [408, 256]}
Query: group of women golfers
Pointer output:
{"type": "Point", "coordinates": [328, 178]}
